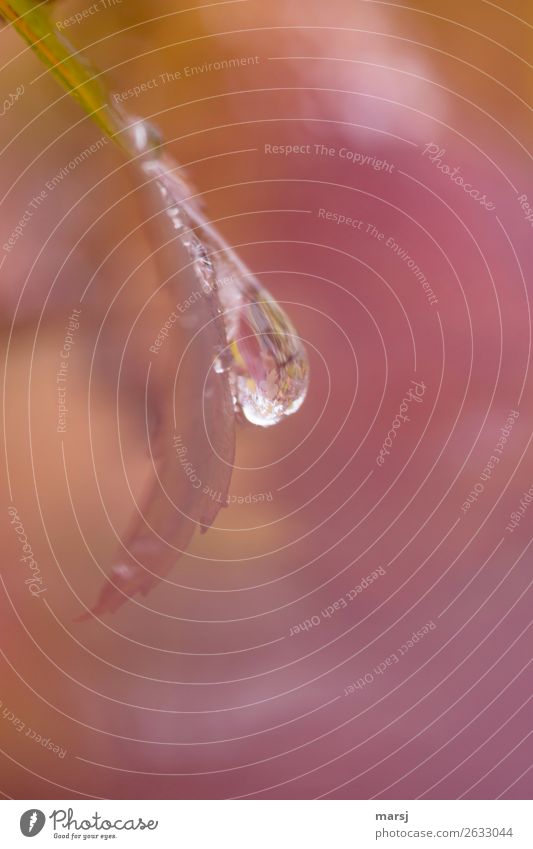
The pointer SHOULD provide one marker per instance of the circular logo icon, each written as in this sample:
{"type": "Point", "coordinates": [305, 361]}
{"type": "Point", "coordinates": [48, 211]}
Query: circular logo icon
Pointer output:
{"type": "Point", "coordinates": [32, 822]}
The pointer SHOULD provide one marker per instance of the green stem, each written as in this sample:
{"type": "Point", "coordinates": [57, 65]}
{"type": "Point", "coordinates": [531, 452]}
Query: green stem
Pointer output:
{"type": "Point", "coordinates": [33, 21]}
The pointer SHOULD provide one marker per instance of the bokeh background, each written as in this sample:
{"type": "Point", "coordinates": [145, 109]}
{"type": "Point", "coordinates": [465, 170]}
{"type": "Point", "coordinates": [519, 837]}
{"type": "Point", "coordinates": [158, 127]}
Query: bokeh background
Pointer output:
{"type": "Point", "coordinates": [204, 689]}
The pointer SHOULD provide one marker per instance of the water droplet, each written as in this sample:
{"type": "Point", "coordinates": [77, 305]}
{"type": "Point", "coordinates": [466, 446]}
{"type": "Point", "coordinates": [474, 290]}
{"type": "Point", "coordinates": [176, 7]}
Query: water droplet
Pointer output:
{"type": "Point", "coordinates": [224, 361]}
{"type": "Point", "coordinates": [269, 372]}
{"type": "Point", "coordinates": [122, 571]}
{"type": "Point", "coordinates": [203, 265]}
{"type": "Point", "coordinates": [176, 215]}
{"type": "Point", "coordinates": [265, 358]}
{"type": "Point", "coordinates": [140, 137]}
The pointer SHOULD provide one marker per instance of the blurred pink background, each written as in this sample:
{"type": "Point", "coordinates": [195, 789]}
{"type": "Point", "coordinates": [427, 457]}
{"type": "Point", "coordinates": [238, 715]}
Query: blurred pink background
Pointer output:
{"type": "Point", "coordinates": [199, 690]}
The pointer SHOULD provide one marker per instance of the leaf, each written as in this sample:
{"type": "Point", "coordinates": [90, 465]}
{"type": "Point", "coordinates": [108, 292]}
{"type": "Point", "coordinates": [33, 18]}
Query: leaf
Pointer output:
{"type": "Point", "coordinates": [201, 405]}
{"type": "Point", "coordinates": [33, 22]}
{"type": "Point", "coordinates": [197, 418]}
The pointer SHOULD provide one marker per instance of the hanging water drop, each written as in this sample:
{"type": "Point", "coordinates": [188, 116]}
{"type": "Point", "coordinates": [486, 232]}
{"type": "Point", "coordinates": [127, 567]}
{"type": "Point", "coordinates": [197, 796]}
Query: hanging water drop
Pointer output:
{"type": "Point", "coordinates": [264, 356]}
